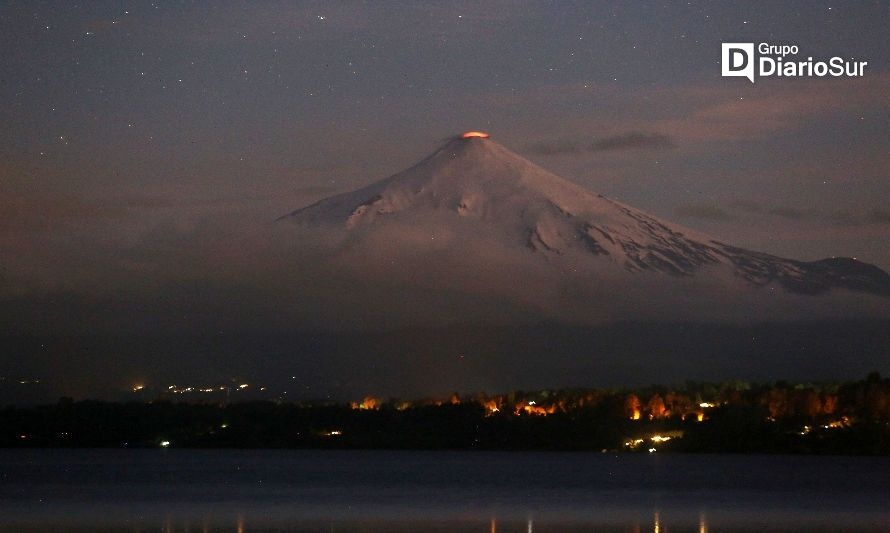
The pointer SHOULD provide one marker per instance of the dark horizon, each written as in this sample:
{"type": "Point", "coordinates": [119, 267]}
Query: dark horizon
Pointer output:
{"type": "Point", "coordinates": [436, 362]}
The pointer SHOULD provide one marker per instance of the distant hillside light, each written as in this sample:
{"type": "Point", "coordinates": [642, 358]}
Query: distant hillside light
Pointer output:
{"type": "Point", "coordinates": [471, 134]}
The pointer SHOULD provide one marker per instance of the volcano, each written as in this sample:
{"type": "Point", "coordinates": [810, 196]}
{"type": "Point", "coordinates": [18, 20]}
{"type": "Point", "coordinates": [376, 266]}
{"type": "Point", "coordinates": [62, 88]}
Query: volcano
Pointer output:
{"type": "Point", "coordinates": [476, 219]}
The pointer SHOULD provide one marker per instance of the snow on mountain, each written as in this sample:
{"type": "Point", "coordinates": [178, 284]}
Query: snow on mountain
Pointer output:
{"type": "Point", "coordinates": [475, 203]}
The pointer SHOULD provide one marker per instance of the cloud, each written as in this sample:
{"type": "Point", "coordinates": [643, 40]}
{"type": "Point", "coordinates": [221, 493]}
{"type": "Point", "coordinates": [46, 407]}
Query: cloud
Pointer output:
{"type": "Point", "coordinates": [696, 113]}
{"type": "Point", "coordinates": [792, 213]}
{"type": "Point", "coordinates": [722, 114]}
{"type": "Point", "coordinates": [703, 211]}
{"type": "Point", "coordinates": [749, 206]}
{"type": "Point", "coordinates": [36, 211]}
{"type": "Point", "coordinates": [554, 148]}
{"type": "Point", "coordinates": [838, 217]}
{"type": "Point", "coordinates": [878, 216]}
{"type": "Point", "coordinates": [635, 140]}
{"type": "Point", "coordinates": [632, 141]}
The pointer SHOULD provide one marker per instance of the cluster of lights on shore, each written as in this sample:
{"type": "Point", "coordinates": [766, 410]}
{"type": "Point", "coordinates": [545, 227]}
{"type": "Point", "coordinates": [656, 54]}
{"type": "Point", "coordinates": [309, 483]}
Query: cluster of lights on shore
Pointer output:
{"type": "Point", "coordinates": [497, 404]}
{"type": "Point", "coordinates": [175, 389]}
{"type": "Point", "coordinates": [500, 406]}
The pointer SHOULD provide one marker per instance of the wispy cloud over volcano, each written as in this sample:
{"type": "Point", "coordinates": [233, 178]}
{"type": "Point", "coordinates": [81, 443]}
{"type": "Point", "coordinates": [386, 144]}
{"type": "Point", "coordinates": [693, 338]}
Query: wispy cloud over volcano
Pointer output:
{"type": "Point", "coordinates": [628, 141]}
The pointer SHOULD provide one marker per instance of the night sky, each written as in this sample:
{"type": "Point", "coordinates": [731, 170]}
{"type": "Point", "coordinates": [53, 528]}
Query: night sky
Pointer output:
{"type": "Point", "coordinates": [134, 134]}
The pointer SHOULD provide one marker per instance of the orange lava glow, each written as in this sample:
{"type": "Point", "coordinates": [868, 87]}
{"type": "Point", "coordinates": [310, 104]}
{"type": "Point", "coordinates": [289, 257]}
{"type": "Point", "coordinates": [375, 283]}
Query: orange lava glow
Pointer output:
{"type": "Point", "coordinates": [471, 134]}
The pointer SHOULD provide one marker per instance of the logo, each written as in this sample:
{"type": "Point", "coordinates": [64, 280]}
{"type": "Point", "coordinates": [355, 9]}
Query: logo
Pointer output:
{"type": "Point", "coordinates": [738, 59]}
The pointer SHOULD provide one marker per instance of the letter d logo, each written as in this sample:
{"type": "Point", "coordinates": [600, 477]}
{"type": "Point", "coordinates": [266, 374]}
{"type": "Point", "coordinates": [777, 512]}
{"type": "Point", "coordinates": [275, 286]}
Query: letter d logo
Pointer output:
{"type": "Point", "coordinates": [738, 60]}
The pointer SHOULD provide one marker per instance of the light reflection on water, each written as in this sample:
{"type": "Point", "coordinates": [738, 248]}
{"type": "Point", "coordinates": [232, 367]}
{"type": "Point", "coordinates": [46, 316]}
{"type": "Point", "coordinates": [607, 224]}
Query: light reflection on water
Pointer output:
{"type": "Point", "coordinates": [249, 491]}
{"type": "Point", "coordinates": [207, 525]}
{"type": "Point", "coordinates": [241, 524]}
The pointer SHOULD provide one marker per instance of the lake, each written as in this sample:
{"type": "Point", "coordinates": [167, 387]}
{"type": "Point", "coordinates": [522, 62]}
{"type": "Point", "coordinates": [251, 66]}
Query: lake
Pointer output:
{"type": "Point", "coordinates": [394, 491]}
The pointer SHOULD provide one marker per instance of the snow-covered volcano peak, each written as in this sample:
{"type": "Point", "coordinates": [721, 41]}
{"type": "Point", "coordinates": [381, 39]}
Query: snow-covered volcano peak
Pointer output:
{"type": "Point", "coordinates": [471, 177]}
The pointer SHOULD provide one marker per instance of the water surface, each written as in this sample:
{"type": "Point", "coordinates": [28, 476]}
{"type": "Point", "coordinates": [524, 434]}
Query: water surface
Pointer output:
{"type": "Point", "coordinates": [300, 490]}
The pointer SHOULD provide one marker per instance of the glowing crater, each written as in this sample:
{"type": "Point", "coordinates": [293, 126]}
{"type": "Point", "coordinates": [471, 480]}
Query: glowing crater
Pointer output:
{"type": "Point", "coordinates": [471, 134]}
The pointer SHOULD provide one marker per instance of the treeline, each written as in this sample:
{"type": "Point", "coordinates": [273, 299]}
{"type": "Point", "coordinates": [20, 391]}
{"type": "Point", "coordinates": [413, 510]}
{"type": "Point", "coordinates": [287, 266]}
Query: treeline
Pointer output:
{"type": "Point", "coordinates": [733, 416]}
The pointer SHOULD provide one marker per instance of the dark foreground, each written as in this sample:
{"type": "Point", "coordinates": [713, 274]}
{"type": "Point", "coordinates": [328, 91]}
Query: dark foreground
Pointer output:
{"type": "Point", "coordinates": [375, 491]}
{"type": "Point", "coordinates": [731, 417]}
